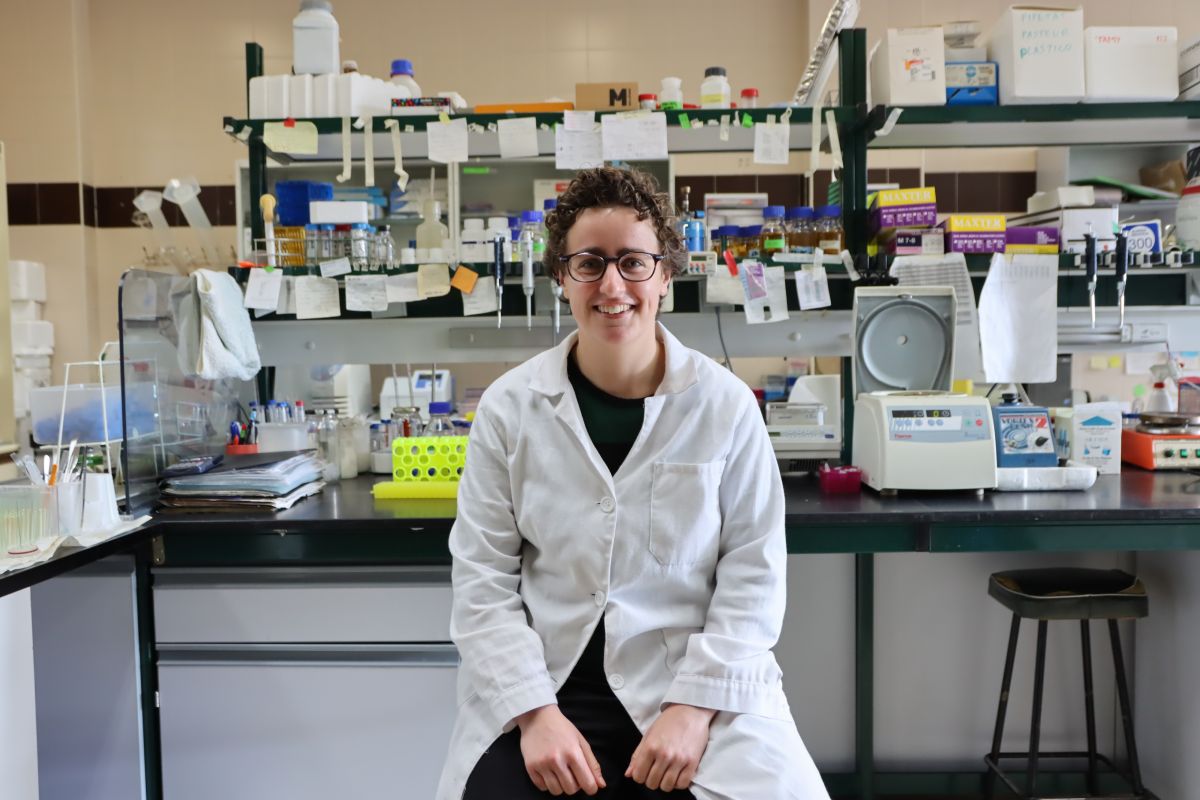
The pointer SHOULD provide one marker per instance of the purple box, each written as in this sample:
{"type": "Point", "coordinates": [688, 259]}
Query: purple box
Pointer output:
{"type": "Point", "coordinates": [974, 241]}
{"type": "Point", "coordinates": [1038, 236]}
{"type": "Point", "coordinates": [911, 216]}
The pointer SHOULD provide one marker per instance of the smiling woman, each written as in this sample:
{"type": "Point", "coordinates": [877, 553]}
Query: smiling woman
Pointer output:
{"type": "Point", "coordinates": [615, 605]}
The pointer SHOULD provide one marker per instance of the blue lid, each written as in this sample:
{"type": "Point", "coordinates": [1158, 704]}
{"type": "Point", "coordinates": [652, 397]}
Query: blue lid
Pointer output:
{"type": "Point", "coordinates": [327, 226]}
{"type": "Point", "coordinates": [751, 230]}
{"type": "Point", "coordinates": [728, 230]}
{"type": "Point", "coordinates": [699, 215]}
{"type": "Point", "coordinates": [514, 222]}
{"type": "Point", "coordinates": [772, 211]}
{"type": "Point", "coordinates": [800, 212]}
{"type": "Point", "coordinates": [549, 205]}
{"type": "Point", "coordinates": [831, 211]}
{"type": "Point", "coordinates": [531, 216]}
{"type": "Point", "coordinates": [440, 407]}
{"type": "Point", "coordinates": [310, 227]}
{"type": "Point", "coordinates": [402, 66]}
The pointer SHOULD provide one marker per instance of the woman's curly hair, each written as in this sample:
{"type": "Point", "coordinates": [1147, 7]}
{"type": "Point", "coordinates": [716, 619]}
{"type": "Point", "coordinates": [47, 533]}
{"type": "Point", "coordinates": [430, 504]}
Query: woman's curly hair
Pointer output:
{"type": "Point", "coordinates": [606, 187]}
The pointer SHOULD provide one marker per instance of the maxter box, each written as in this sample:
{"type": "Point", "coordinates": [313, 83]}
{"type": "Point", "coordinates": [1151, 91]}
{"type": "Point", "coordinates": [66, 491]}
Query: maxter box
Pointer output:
{"type": "Point", "coordinates": [904, 208]}
{"type": "Point", "coordinates": [974, 233]}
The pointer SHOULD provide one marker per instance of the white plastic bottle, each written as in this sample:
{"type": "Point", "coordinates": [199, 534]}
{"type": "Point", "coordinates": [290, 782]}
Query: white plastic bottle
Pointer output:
{"type": "Point", "coordinates": [670, 96]}
{"type": "Point", "coordinates": [315, 39]}
{"type": "Point", "coordinates": [471, 248]}
{"type": "Point", "coordinates": [431, 233]}
{"type": "Point", "coordinates": [402, 75]}
{"type": "Point", "coordinates": [714, 91]}
{"type": "Point", "coordinates": [498, 229]}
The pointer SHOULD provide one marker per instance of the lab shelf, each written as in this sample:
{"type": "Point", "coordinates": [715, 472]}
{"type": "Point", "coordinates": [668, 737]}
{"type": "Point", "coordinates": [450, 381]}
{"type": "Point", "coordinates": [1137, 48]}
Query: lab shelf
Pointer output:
{"type": "Point", "coordinates": [1037, 125]}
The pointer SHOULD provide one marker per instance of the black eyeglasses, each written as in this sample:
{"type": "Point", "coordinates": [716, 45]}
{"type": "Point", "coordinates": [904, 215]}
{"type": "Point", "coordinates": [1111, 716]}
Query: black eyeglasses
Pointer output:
{"type": "Point", "coordinates": [634, 265]}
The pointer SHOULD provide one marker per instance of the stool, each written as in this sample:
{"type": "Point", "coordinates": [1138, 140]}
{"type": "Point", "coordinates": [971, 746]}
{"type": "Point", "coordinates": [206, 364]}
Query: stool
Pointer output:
{"type": "Point", "coordinates": [1065, 594]}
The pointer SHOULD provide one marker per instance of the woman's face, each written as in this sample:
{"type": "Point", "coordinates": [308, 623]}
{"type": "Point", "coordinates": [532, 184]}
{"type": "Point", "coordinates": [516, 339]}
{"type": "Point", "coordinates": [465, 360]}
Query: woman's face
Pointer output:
{"type": "Point", "coordinates": [612, 309]}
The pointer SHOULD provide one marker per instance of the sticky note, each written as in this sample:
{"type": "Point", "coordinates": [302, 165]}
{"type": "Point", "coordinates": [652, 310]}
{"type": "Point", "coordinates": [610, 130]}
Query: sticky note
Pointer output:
{"type": "Point", "coordinates": [684, 120]}
{"type": "Point", "coordinates": [1098, 363]}
{"type": "Point", "coordinates": [747, 121]}
{"type": "Point", "coordinates": [577, 149]}
{"type": "Point", "coordinates": [518, 137]}
{"type": "Point", "coordinates": [433, 280]}
{"type": "Point", "coordinates": [403, 288]}
{"type": "Point", "coordinates": [579, 120]}
{"type": "Point", "coordinates": [447, 141]}
{"type": "Point", "coordinates": [299, 138]}
{"type": "Point", "coordinates": [316, 298]}
{"type": "Point", "coordinates": [366, 293]}
{"type": "Point", "coordinates": [262, 290]}
{"type": "Point", "coordinates": [464, 279]}
{"type": "Point", "coordinates": [1114, 362]}
{"type": "Point", "coordinates": [335, 267]}
{"type": "Point", "coordinates": [631, 138]}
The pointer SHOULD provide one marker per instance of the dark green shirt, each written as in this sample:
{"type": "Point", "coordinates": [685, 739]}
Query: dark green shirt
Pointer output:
{"type": "Point", "coordinates": [612, 423]}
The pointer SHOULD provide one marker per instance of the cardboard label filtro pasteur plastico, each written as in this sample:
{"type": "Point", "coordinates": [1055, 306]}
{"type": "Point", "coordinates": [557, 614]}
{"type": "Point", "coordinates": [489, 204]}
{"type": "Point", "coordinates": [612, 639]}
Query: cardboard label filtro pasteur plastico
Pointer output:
{"type": "Point", "coordinates": [606, 96]}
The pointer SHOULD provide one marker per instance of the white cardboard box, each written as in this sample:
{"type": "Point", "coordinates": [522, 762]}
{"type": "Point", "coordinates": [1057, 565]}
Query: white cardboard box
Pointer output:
{"type": "Point", "coordinates": [1131, 63]}
{"type": "Point", "coordinates": [908, 68]}
{"type": "Point", "coordinates": [337, 212]}
{"type": "Point", "coordinates": [1090, 433]}
{"type": "Point", "coordinates": [1040, 54]}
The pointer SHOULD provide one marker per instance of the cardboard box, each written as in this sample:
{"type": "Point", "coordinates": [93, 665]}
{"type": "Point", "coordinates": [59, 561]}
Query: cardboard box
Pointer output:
{"type": "Point", "coordinates": [1130, 64]}
{"type": "Point", "coordinates": [1039, 52]}
{"type": "Point", "coordinates": [1090, 433]}
{"type": "Point", "coordinates": [972, 83]}
{"type": "Point", "coordinates": [1032, 239]}
{"type": "Point", "coordinates": [903, 208]}
{"type": "Point", "coordinates": [908, 68]}
{"type": "Point", "coordinates": [915, 242]}
{"type": "Point", "coordinates": [606, 96]}
{"type": "Point", "coordinates": [974, 233]}
{"type": "Point", "coordinates": [1073, 223]}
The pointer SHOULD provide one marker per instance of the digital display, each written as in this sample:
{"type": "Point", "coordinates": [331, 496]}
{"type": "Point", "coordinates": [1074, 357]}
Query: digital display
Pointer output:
{"type": "Point", "coordinates": [931, 413]}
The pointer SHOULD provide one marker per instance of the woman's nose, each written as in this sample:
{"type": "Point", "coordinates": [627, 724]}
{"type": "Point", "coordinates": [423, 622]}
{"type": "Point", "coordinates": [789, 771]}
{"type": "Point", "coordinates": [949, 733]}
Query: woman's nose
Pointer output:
{"type": "Point", "coordinates": [612, 282]}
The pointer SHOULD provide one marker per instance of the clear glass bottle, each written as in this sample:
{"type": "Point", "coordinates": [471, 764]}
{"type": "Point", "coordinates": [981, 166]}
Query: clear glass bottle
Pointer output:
{"type": "Point", "coordinates": [360, 246]}
{"type": "Point", "coordinates": [439, 420]}
{"type": "Point", "coordinates": [830, 237]}
{"type": "Point", "coordinates": [773, 236]}
{"type": "Point", "coordinates": [347, 451]}
{"type": "Point", "coordinates": [325, 241]}
{"type": "Point", "coordinates": [750, 240]}
{"type": "Point", "coordinates": [800, 229]}
{"type": "Point", "coordinates": [384, 257]}
{"type": "Point", "coordinates": [312, 244]}
{"type": "Point", "coordinates": [329, 445]}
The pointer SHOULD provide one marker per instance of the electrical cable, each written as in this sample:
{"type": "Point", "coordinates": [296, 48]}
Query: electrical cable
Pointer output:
{"type": "Point", "coordinates": [721, 336]}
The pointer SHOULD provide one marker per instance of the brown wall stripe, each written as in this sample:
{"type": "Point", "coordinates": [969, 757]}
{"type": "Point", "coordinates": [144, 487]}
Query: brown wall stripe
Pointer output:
{"type": "Point", "coordinates": [104, 206]}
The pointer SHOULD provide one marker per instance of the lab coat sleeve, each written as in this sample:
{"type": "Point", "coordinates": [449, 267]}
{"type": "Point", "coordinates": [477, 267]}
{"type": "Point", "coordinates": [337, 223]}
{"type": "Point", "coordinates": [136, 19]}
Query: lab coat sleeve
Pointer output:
{"type": "Point", "coordinates": [729, 666]}
{"type": "Point", "coordinates": [501, 654]}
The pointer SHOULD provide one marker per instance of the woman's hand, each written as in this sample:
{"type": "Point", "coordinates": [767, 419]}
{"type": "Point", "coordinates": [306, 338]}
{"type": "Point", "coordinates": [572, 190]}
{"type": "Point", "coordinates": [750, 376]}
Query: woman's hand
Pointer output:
{"type": "Point", "coordinates": [670, 751]}
{"type": "Point", "coordinates": [557, 757]}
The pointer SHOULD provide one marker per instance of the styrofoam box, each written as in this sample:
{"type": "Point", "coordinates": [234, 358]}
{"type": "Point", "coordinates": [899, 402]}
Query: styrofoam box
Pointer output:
{"type": "Point", "coordinates": [359, 94]}
{"type": "Point", "coordinates": [337, 212]}
{"type": "Point", "coordinates": [269, 97]}
{"type": "Point", "coordinates": [24, 310]}
{"type": "Point", "coordinates": [24, 382]}
{"type": "Point", "coordinates": [300, 95]}
{"type": "Point", "coordinates": [27, 281]}
{"type": "Point", "coordinates": [1040, 54]}
{"type": "Point", "coordinates": [31, 362]}
{"type": "Point", "coordinates": [1130, 63]}
{"type": "Point", "coordinates": [324, 95]}
{"type": "Point", "coordinates": [908, 68]}
{"type": "Point", "coordinates": [32, 337]}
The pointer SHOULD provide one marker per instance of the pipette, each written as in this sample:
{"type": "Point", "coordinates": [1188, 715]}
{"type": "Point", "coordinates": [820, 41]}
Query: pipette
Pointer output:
{"type": "Point", "coordinates": [499, 268]}
{"type": "Point", "coordinates": [1089, 263]}
{"type": "Point", "coordinates": [527, 278]}
{"type": "Point", "coordinates": [1122, 265]}
{"type": "Point", "coordinates": [267, 204]}
{"type": "Point", "coordinates": [556, 287]}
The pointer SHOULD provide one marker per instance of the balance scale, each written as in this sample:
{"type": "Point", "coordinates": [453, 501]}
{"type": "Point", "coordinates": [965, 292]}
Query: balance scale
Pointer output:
{"type": "Point", "coordinates": [910, 431]}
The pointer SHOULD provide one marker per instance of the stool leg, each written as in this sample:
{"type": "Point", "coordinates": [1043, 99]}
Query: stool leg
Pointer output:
{"type": "Point", "coordinates": [1135, 770]}
{"type": "Point", "coordinates": [989, 784]}
{"type": "Point", "coordinates": [1089, 705]}
{"type": "Point", "coordinates": [1035, 727]}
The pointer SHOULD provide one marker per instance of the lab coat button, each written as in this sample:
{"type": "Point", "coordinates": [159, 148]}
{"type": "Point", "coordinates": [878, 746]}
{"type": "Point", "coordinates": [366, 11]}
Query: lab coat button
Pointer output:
{"type": "Point", "coordinates": [599, 598]}
{"type": "Point", "coordinates": [616, 681]}
{"type": "Point", "coordinates": [607, 505]}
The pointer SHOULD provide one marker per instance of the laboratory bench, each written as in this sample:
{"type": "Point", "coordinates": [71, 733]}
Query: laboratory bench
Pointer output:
{"type": "Point", "coordinates": [341, 535]}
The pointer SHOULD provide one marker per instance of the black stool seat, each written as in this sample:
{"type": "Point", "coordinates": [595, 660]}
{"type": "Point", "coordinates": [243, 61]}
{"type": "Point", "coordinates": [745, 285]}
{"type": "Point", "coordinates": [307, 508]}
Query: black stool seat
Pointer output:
{"type": "Point", "coordinates": [1070, 593]}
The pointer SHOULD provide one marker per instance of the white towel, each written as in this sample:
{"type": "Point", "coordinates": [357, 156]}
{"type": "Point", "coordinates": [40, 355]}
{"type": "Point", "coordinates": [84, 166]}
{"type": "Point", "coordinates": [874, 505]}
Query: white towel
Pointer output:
{"type": "Point", "coordinates": [216, 340]}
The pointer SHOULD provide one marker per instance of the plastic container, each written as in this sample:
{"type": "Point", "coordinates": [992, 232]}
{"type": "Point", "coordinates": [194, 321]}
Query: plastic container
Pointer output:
{"type": "Point", "coordinates": [27, 281]}
{"type": "Point", "coordinates": [402, 76]}
{"type": "Point", "coordinates": [431, 232]}
{"type": "Point", "coordinates": [696, 233]}
{"type": "Point", "coordinates": [839, 480]}
{"type": "Point", "coordinates": [474, 245]}
{"type": "Point", "coordinates": [32, 337]}
{"type": "Point", "coordinates": [315, 39]}
{"type": "Point", "coordinates": [748, 98]}
{"type": "Point", "coordinates": [800, 230]}
{"type": "Point", "coordinates": [648, 101]}
{"type": "Point", "coordinates": [670, 96]}
{"type": "Point", "coordinates": [1187, 217]}
{"type": "Point", "coordinates": [329, 445]}
{"type": "Point", "coordinates": [88, 406]}
{"type": "Point", "coordinates": [27, 515]}
{"type": "Point", "coordinates": [497, 227]}
{"type": "Point", "coordinates": [714, 91]}
{"type": "Point", "coordinates": [281, 437]}
{"type": "Point", "coordinates": [292, 199]}
{"type": "Point", "coordinates": [830, 237]}
{"type": "Point", "coordinates": [773, 236]}
{"type": "Point", "coordinates": [439, 420]}
{"type": "Point", "coordinates": [347, 449]}
{"type": "Point", "coordinates": [86, 511]}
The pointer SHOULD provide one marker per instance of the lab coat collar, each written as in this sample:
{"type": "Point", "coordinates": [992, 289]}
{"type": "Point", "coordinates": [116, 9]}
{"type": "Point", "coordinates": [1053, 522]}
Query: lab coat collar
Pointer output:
{"type": "Point", "coordinates": [681, 372]}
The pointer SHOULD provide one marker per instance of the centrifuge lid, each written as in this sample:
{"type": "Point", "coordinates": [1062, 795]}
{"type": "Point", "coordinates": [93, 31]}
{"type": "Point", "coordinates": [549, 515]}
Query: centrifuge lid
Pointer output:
{"type": "Point", "coordinates": [903, 338]}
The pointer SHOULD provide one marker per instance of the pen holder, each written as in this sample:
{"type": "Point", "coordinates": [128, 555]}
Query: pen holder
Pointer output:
{"type": "Point", "coordinates": [27, 515]}
{"type": "Point", "coordinates": [87, 511]}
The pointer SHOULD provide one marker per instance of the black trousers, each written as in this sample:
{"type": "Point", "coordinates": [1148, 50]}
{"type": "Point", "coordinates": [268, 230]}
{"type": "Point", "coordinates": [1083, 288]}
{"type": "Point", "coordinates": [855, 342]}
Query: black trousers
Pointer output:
{"type": "Point", "coordinates": [588, 702]}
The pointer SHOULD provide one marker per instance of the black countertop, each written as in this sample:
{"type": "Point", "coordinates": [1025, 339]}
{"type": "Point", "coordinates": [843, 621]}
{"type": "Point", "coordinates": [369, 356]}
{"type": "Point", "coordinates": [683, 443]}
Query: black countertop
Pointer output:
{"type": "Point", "coordinates": [348, 522]}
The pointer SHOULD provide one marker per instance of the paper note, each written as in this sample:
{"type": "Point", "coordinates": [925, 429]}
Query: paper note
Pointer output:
{"type": "Point", "coordinates": [949, 270]}
{"type": "Point", "coordinates": [1098, 363]}
{"type": "Point", "coordinates": [577, 149]}
{"type": "Point", "coordinates": [579, 120]}
{"type": "Point", "coordinates": [298, 138]}
{"type": "Point", "coordinates": [518, 137]}
{"type": "Point", "coordinates": [262, 290]}
{"type": "Point", "coordinates": [335, 268]}
{"type": "Point", "coordinates": [316, 298]}
{"type": "Point", "coordinates": [366, 293]}
{"type": "Point", "coordinates": [447, 141]}
{"type": "Point", "coordinates": [287, 295]}
{"type": "Point", "coordinates": [812, 287]}
{"type": "Point", "coordinates": [403, 288]}
{"type": "Point", "coordinates": [772, 305]}
{"type": "Point", "coordinates": [433, 280]}
{"type": "Point", "coordinates": [634, 138]}
{"type": "Point", "coordinates": [464, 279]}
{"type": "Point", "coordinates": [771, 143]}
{"type": "Point", "coordinates": [1018, 320]}
{"type": "Point", "coordinates": [721, 287]}
{"type": "Point", "coordinates": [481, 301]}
{"type": "Point", "coordinates": [754, 283]}
{"type": "Point", "coordinates": [1139, 362]}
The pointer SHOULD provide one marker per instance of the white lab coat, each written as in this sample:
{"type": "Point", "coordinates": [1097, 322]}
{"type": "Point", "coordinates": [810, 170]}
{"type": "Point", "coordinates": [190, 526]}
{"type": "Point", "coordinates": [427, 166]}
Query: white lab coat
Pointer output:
{"type": "Point", "coordinates": [682, 552]}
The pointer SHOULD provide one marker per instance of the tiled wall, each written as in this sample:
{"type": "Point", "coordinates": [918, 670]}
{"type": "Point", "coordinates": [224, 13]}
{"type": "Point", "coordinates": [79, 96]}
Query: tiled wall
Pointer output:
{"type": "Point", "coordinates": [105, 207]}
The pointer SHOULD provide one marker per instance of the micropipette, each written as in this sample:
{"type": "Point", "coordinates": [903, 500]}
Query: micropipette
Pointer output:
{"type": "Point", "coordinates": [1089, 263]}
{"type": "Point", "coordinates": [527, 278]}
{"type": "Point", "coordinates": [267, 204]}
{"type": "Point", "coordinates": [1122, 265]}
{"type": "Point", "coordinates": [556, 287]}
{"type": "Point", "coordinates": [499, 267]}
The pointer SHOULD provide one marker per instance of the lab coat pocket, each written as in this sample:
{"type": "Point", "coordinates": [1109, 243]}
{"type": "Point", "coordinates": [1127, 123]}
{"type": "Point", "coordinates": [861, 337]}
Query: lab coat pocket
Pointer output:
{"type": "Point", "coordinates": [685, 512]}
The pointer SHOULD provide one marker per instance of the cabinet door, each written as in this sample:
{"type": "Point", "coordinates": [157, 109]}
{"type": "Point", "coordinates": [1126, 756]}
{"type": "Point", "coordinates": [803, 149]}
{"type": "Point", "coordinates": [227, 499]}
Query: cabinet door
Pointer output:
{"type": "Point", "coordinates": [352, 721]}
